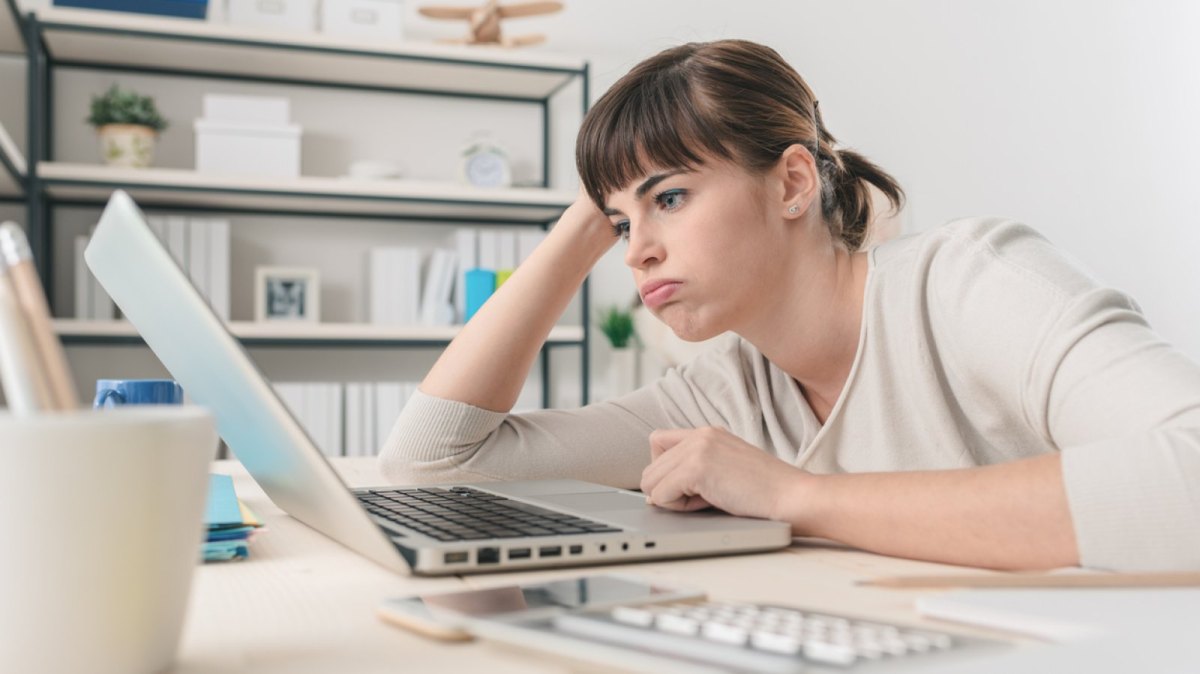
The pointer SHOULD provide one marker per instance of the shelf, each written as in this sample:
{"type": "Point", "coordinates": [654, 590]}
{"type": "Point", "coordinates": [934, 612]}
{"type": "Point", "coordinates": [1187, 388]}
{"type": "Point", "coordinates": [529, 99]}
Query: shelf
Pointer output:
{"type": "Point", "coordinates": [73, 331]}
{"type": "Point", "coordinates": [11, 41]}
{"type": "Point", "coordinates": [12, 166]}
{"type": "Point", "coordinates": [327, 196]}
{"type": "Point", "coordinates": [136, 42]}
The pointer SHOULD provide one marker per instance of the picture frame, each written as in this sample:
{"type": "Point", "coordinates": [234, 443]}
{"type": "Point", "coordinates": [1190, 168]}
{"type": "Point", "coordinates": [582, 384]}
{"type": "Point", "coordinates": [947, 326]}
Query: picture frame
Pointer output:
{"type": "Point", "coordinates": [287, 294]}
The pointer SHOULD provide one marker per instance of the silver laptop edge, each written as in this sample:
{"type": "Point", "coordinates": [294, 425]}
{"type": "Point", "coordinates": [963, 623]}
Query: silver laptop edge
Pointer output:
{"type": "Point", "coordinates": [193, 344]}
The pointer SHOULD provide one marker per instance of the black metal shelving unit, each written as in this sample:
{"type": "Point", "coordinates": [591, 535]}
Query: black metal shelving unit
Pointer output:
{"type": "Point", "coordinates": [56, 38]}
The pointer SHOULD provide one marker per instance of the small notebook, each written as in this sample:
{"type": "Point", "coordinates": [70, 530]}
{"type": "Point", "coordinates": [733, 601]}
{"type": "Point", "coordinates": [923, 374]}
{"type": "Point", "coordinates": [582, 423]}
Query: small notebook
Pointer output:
{"type": "Point", "coordinates": [1068, 614]}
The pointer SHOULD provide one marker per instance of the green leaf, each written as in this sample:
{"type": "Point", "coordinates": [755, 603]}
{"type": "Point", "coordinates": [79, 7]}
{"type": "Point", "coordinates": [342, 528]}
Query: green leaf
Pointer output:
{"type": "Point", "coordinates": [617, 325]}
{"type": "Point", "coordinates": [120, 106]}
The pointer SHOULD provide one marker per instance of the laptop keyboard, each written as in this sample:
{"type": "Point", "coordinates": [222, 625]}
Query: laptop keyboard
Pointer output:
{"type": "Point", "coordinates": [465, 514]}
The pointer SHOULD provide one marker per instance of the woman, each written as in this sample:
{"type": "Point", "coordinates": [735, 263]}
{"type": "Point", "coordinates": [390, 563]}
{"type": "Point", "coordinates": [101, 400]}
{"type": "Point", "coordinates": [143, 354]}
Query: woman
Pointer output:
{"type": "Point", "coordinates": [965, 396]}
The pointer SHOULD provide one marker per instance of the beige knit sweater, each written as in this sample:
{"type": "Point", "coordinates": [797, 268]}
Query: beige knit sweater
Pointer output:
{"type": "Point", "coordinates": [981, 343]}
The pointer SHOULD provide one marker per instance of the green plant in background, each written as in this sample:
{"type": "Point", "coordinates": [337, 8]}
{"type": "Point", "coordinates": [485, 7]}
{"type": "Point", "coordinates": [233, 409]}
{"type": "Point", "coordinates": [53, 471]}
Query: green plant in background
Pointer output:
{"type": "Point", "coordinates": [617, 325]}
{"type": "Point", "coordinates": [119, 106]}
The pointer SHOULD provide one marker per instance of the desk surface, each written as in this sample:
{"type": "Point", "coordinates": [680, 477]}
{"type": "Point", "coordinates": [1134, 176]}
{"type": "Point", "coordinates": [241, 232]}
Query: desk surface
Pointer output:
{"type": "Point", "coordinates": [303, 603]}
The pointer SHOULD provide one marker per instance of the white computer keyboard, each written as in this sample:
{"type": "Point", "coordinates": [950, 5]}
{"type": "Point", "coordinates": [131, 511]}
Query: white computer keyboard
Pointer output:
{"type": "Point", "coordinates": [755, 637]}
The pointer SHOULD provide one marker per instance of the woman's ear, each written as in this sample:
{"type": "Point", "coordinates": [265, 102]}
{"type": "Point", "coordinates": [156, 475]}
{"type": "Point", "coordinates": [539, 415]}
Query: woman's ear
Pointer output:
{"type": "Point", "coordinates": [801, 185]}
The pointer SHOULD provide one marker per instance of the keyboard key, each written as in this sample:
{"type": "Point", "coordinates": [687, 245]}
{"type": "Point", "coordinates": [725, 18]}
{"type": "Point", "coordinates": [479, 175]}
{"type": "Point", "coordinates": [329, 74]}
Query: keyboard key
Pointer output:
{"type": "Point", "coordinates": [633, 615]}
{"type": "Point", "coordinates": [834, 654]}
{"type": "Point", "coordinates": [677, 624]}
{"type": "Point", "coordinates": [726, 634]}
{"type": "Point", "coordinates": [775, 643]}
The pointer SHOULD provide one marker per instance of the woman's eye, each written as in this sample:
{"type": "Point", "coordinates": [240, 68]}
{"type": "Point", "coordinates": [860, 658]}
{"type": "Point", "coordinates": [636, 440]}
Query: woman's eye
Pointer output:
{"type": "Point", "coordinates": [621, 229]}
{"type": "Point", "coordinates": [670, 199]}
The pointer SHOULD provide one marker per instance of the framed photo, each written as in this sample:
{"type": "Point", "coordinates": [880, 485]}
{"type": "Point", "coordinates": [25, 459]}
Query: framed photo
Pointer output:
{"type": "Point", "coordinates": [287, 294]}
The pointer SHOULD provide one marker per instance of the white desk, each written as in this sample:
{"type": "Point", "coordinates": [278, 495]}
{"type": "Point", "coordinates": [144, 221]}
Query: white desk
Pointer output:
{"type": "Point", "coordinates": [304, 604]}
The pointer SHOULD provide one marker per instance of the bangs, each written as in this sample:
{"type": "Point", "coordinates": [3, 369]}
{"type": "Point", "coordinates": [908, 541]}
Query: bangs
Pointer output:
{"type": "Point", "coordinates": [648, 121]}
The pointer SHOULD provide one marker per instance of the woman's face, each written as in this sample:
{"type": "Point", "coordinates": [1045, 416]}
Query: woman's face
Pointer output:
{"type": "Point", "coordinates": [701, 246]}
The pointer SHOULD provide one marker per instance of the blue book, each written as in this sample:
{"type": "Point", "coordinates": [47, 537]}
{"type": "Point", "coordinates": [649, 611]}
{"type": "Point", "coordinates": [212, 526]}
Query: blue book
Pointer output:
{"type": "Point", "coordinates": [481, 283]}
{"type": "Point", "coordinates": [188, 9]}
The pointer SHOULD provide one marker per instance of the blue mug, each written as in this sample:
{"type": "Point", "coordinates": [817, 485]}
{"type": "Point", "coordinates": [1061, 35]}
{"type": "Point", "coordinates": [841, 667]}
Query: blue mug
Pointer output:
{"type": "Point", "coordinates": [113, 392]}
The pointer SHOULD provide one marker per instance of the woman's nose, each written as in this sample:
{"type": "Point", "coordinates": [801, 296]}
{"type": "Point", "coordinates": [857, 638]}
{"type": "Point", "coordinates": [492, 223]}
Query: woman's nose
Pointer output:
{"type": "Point", "coordinates": [644, 248]}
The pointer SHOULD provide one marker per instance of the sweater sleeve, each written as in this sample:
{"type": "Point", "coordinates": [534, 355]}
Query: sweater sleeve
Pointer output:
{"type": "Point", "coordinates": [1095, 381]}
{"type": "Point", "coordinates": [437, 440]}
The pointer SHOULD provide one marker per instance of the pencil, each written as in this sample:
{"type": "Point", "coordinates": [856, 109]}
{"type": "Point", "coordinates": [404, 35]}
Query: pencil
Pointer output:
{"type": "Point", "coordinates": [15, 252]}
{"type": "Point", "coordinates": [24, 388]}
{"type": "Point", "coordinates": [1047, 580]}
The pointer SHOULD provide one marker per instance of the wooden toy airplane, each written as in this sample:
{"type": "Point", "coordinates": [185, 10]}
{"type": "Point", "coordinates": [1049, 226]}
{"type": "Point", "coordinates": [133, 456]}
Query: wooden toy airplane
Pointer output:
{"type": "Point", "coordinates": [485, 21]}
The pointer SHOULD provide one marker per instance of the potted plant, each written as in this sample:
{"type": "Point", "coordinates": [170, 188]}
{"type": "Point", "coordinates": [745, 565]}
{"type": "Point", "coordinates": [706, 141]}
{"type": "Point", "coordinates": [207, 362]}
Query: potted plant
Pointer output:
{"type": "Point", "coordinates": [617, 326]}
{"type": "Point", "coordinates": [128, 125]}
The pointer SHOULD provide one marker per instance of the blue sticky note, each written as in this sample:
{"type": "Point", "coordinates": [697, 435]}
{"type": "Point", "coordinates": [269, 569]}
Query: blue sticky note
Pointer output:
{"type": "Point", "coordinates": [222, 509]}
{"type": "Point", "coordinates": [222, 551]}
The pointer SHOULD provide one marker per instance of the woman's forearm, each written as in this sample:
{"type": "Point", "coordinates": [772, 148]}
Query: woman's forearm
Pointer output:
{"type": "Point", "coordinates": [487, 363]}
{"type": "Point", "coordinates": [1007, 516]}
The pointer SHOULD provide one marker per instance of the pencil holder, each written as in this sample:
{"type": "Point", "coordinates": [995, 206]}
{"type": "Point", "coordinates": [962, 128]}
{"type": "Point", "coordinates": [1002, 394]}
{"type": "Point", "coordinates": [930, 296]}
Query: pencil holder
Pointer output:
{"type": "Point", "coordinates": [102, 522]}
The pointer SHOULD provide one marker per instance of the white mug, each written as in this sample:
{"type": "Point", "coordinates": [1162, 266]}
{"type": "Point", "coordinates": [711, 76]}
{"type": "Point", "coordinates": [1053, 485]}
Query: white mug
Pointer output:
{"type": "Point", "coordinates": [101, 522]}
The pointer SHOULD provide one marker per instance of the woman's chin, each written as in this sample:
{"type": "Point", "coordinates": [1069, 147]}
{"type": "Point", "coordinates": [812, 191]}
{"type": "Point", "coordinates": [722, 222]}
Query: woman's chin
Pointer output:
{"type": "Point", "coordinates": [688, 327]}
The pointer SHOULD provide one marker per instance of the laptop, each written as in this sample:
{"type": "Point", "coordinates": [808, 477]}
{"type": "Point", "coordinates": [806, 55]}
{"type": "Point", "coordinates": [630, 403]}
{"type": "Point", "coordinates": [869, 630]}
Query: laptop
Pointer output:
{"type": "Point", "coordinates": [441, 530]}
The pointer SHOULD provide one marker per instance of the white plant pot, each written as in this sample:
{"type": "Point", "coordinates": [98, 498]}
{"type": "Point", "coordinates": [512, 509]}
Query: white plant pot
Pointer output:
{"type": "Point", "coordinates": [127, 145]}
{"type": "Point", "coordinates": [622, 371]}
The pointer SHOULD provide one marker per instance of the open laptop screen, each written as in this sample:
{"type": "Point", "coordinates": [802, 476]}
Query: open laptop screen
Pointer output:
{"type": "Point", "coordinates": [177, 324]}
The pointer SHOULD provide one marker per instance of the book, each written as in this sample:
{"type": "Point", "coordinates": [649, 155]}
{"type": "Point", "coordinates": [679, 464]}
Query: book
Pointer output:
{"type": "Point", "coordinates": [467, 248]}
{"type": "Point", "coordinates": [353, 420]}
{"type": "Point", "coordinates": [177, 240]}
{"type": "Point", "coordinates": [198, 266]}
{"type": "Point", "coordinates": [218, 266]}
{"type": "Point", "coordinates": [394, 286]}
{"type": "Point", "coordinates": [436, 307]}
{"type": "Point", "coordinates": [481, 283]}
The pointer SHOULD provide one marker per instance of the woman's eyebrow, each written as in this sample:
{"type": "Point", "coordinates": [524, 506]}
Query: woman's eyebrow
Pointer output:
{"type": "Point", "coordinates": [647, 185]}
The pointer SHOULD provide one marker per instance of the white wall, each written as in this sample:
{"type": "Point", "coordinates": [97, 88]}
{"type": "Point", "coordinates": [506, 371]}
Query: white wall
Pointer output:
{"type": "Point", "coordinates": [1076, 116]}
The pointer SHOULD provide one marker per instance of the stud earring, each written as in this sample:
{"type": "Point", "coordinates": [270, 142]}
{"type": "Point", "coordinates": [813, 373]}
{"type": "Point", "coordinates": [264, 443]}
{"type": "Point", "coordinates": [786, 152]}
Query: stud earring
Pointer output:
{"type": "Point", "coordinates": [793, 208]}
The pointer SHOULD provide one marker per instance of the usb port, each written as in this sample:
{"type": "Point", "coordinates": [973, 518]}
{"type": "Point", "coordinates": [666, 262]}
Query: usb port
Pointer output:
{"type": "Point", "coordinates": [455, 557]}
{"type": "Point", "coordinates": [551, 551]}
{"type": "Point", "coordinates": [650, 544]}
{"type": "Point", "coordinates": [488, 555]}
{"type": "Point", "coordinates": [576, 549]}
{"type": "Point", "coordinates": [519, 553]}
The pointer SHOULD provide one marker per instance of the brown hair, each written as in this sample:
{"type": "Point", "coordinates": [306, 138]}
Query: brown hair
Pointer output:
{"type": "Point", "coordinates": [733, 100]}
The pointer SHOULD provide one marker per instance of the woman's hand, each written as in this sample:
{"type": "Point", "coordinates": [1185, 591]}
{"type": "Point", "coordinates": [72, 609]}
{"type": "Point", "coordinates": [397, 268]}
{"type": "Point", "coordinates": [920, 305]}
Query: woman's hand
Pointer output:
{"type": "Point", "coordinates": [692, 469]}
{"type": "Point", "coordinates": [588, 220]}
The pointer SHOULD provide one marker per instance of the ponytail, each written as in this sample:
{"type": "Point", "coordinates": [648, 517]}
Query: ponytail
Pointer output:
{"type": "Point", "coordinates": [846, 177]}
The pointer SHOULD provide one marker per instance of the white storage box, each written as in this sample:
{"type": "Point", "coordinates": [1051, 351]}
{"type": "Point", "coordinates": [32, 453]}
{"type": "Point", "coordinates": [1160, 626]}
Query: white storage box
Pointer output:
{"type": "Point", "coordinates": [265, 110]}
{"type": "Point", "coordinates": [292, 15]}
{"type": "Point", "coordinates": [271, 151]}
{"type": "Point", "coordinates": [369, 19]}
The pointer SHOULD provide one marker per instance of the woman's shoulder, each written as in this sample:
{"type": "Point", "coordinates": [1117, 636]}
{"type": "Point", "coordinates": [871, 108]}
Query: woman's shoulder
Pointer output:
{"type": "Point", "coordinates": [967, 252]}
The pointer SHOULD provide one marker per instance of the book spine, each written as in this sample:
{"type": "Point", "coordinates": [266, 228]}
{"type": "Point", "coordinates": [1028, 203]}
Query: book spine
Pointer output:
{"type": "Point", "coordinates": [198, 266]}
{"type": "Point", "coordinates": [218, 266]}
{"type": "Point", "coordinates": [467, 247]}
{"type": "Point", "coordinates": [481, 283]}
